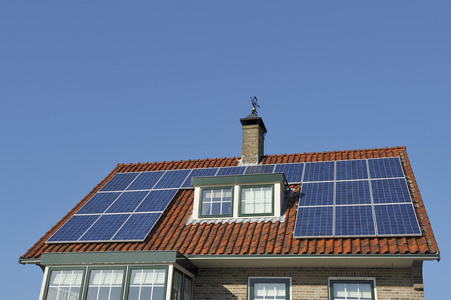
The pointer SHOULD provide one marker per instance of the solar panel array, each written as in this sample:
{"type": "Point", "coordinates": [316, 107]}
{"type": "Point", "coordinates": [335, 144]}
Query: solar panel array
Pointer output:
{"type": "Point", "coordinates": [367, 197]}
{"type": "Point", "coordinates": [338, 198]}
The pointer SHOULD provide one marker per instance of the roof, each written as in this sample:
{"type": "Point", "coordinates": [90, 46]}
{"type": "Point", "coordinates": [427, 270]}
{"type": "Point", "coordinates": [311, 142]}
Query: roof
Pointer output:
{"type": "Point", "coordinates": [173, 232]}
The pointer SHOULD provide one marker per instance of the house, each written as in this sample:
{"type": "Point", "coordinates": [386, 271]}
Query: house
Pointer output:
{"type": "Point", "coordinates": [329, 225]}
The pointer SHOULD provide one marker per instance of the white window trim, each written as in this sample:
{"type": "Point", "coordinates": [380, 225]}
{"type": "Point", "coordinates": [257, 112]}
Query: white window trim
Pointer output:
{"type": "Point", "coordinates": [278, 200]}
{"type": "Point", "coordinates": [351, 279]}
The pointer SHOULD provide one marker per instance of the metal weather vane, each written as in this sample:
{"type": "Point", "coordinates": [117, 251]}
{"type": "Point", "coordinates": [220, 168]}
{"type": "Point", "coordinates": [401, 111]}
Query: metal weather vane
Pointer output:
{"type": "Point", "coordinates": [254, 102]}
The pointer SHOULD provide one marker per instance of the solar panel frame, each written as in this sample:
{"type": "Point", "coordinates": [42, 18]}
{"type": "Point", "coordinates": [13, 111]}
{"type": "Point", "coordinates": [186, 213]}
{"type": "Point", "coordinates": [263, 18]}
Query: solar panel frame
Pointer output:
{"type": "Point", "coordinates": [392, 190]}
{"type": "Point", "coordinates": [259, 169]}
{"type": "Point", "coordinates": [355, 220]}
{"type": "Point", "coordinates": [137, 227]}
{"type": "Point", "coordinates": [352, 192]}
{"type": "Point", "coordinates": [172, 179]}
{"type": "Point", "coordinates": [104, 228]}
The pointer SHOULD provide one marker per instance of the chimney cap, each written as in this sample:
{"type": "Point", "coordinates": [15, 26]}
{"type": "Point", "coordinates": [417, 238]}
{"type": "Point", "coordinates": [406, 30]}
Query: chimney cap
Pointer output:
{"type": "Point", "coordinates": [253, 119]}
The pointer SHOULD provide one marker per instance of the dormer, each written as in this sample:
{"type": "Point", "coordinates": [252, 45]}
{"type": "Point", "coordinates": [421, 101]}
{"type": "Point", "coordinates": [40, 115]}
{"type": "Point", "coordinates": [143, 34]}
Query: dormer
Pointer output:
{"type": "Point", "coordinates": [243, 196]}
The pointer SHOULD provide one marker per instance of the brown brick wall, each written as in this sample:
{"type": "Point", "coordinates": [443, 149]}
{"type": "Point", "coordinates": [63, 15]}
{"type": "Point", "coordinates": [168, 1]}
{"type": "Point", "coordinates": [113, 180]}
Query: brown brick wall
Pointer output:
{"type": "Point", "coordinates": [309, 283]}
{"type": "Point", "coordinates": [253, 143]}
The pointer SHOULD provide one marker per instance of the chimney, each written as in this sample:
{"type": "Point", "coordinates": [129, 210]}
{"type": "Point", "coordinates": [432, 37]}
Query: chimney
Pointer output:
{"type": "Point", "coordinates": [254, 131]}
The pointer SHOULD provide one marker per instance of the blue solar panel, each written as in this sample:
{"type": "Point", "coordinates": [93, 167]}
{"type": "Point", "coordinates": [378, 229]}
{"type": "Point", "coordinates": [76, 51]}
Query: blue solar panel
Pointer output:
{"type": "Point", "coordinates": [146, 180]}
{"type": "Point", "coordinates": [98, 203]}
{"type": "Point", "coordinates": [119, 182]}
{"type": "Point", "coordinates": [231, 171]}
{"type": "Point", "coordinates": [199, 173]}
{"type": "Point", "coordinates": [261, 169]}
{"type": "Point", "coordinates": [293, 172]}
{"type": "Point", "coordinates": [352, 192]}
{"type": "Point", "coordinates": [73, 229]}
{"type": "Point", "coordinates": [396, 219]}
{"type": "Point", "coordinates": [319, 171]}
{"type": "Point", "coordinates": [104, 228]}
{"type": "Point", "coordinates": [137, 227]}
{"type": "Point", "coordinates": [390, 191]}
{"type": "Point", "coordinates": [172, 179]}
{"type": "Point", "coordinates": [127, 202]}
{"type": "Point", "coordinates": [314, 221]}
{"type": "Point", "coordinates": [317, 193]}
{"type": "Point", "coordinates": [157, 201]}
{"type": "Point", "coordinates": [385, 167]}
{"type": "Point", "coordinates": [351, 169]}
{"type": "Point", "coordinates": [354, 220]}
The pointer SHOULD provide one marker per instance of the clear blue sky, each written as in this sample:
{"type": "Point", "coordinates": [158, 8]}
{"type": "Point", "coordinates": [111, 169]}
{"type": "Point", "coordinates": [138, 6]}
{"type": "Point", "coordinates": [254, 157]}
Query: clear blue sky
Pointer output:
{"type": "Point", "coordinates": [88, 84]}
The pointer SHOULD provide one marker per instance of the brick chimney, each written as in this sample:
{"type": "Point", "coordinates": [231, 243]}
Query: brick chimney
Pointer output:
{"type": "Point", "coordinates": [254, 131]}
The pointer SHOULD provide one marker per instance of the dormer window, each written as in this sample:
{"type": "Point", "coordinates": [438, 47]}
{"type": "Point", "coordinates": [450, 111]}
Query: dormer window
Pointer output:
{"type": "Point", "coordinates": [240, 196]}
{"type": "Point", "coordinates": [216, 202]}
{"type": "Point", "coordinates": [256, 200]}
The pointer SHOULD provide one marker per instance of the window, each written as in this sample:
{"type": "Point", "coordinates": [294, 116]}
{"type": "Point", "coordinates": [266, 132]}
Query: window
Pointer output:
{"type": "Point", "coordinates": [269, 288]}
{"type": "Point", "coordinates": [216, 202]}
{"type": "Point", "coordinates": [351, 289]}
{"type": "Point", "coordinates": [147, 284]}
{"type": "Point", "coordinates": [64, 285]}
{"type": "Point", "coordinates": [256, 200]}
{"type": "Point", "coordinates": [114, 283]}
{"type": "Point", "coordinates": [181, 287]}
{"type": "Point", "coordinates": [105, 285]}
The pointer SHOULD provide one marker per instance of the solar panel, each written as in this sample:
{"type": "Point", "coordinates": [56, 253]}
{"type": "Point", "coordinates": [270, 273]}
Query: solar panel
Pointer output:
{"type": "Point", "coordinates": [105, 227]}
{"type": "Point", "coordinates": [98, 203]}
{"type": "Point", "coordinates": [317, 193]}
{"type": "Point", "coordinates": [390, 191]}
{"type": "Point", "coordinates": [261, 169]}
{"type": "Point", "coordinates": [351, 169]}
{"type": "Point", "coordinates": [119, 182]}
{"type": "Point", "coordinates": [137, 227]}
{"type": "Point", "coordinates": [293, 172]}
{"type": "Point", "coordinates": [199, 173]}
{"type": "Point", "coordinates": [396, 219]}
{"type": "Point", "coordinates": [385, 167]}
{"type": "Point", "coordinates": [314, 221]}
{"type": "Point", "coordinates": [352, 192]}
{"type": "Point", "coordinates": [337, 199]}
{"type": "Point", "coordinates": [74, 228]}
{"type": "Point", "coordinates": [172, 179]}
{"type": "Point", "coordinates": [156, 201]}
{"type": "Point", "coordinates": [146, 180]}
{"type": "Point", "coordinates": [319, 171]}
{"type": "Point", "coordinates": [127, 202]}
{"type": "Point", "coordinates": [231, 171]}
{"type": "Point", "coordinates": [354, 221]}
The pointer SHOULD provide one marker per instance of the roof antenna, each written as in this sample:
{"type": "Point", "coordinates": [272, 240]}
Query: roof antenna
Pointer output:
{"type": "Point", "coordinates": [254, 102]}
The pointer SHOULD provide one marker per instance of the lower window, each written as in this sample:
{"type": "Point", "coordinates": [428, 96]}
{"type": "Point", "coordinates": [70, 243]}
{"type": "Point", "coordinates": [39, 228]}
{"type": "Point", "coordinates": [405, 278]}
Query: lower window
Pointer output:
{"type": "Point", "coordinates": [269, 288]}
{"type": "Point", "coordinates": [64, 285]}
{"type": "Point", "coordinates": [105, 285]}
{"type": "Point", "coordinates": [351, 289]}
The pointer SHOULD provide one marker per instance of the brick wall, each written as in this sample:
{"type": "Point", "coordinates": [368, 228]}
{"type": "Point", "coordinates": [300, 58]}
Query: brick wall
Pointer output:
{"type": "Point", "coordinates": [253, 143]}
{"type": "Point", "coordinates": [309, 283]}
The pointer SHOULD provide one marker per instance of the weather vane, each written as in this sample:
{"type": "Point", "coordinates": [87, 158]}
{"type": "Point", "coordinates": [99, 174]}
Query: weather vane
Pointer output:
{"type": "Point", "coordinates": [254, 104]}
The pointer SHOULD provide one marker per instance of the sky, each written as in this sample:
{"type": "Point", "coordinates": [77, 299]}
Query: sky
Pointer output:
{"type": "Point", "coordinates": [85, 85]}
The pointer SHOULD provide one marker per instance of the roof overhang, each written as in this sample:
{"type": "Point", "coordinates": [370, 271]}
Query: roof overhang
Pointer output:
{"type": "Point", "coordinates": [109, 258]}
{"type": "Point", "coordinates": [304, 260]}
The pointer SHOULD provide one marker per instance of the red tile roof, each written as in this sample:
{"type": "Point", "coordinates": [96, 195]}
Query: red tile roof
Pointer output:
{"type": "Point", "coordinates": [172, 232]}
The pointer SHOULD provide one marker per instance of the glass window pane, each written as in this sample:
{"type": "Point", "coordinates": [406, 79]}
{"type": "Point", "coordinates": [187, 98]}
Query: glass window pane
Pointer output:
{"type": "Point", "coordinates": [268, 290]}
{"type": "Point", "coordinates": [213, 201]}
{"type": "Point", "coordinates": [147, 284]}
{"type": "Point", "coordinates": [352, 291]}
{"type": "Point", "coordinates": [187, 288]}
{"type": "Point", "coordinates": [64, 285]}
{"type": "Point", "coordinates": [105, 285]}
{"type": "Point", "coordinates": [256, 200]}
